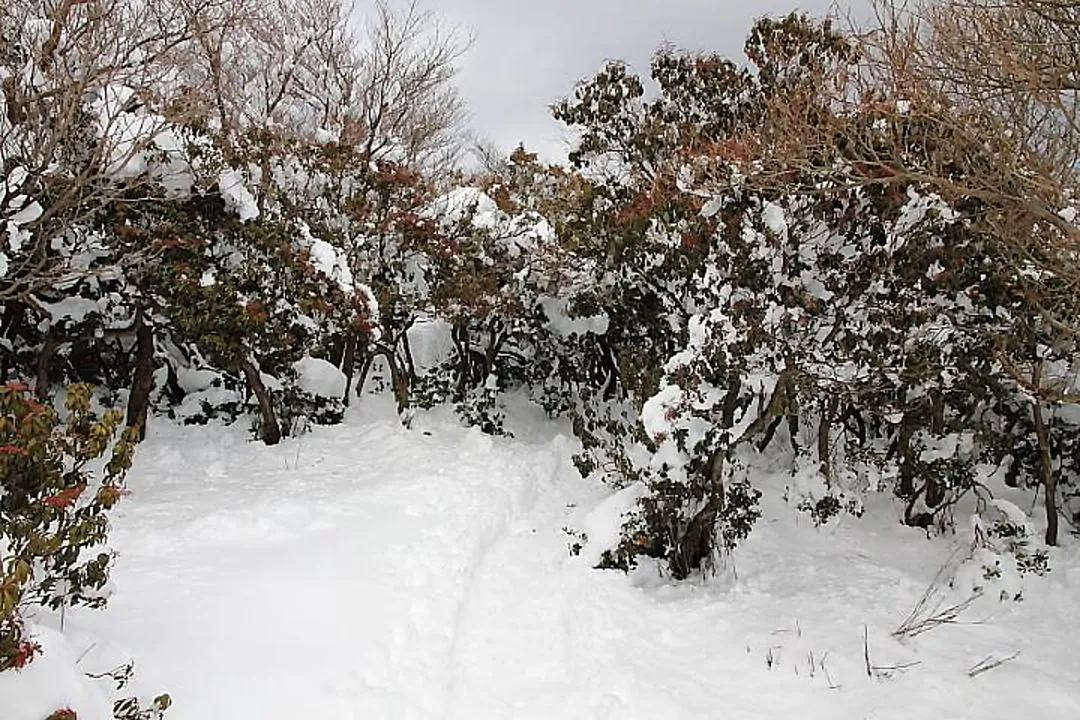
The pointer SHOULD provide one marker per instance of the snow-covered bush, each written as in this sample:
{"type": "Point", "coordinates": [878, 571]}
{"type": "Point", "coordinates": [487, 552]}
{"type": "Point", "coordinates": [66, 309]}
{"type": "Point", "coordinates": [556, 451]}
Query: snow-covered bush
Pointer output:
{"type": "Point", "coordinates": [1004, 550]}
{"type": "Point", "coordinates": [311, 393]}
{"type": "Point", "coordinates": [54, 519]}
{"type": "Point", "coordinates": [745, 287]}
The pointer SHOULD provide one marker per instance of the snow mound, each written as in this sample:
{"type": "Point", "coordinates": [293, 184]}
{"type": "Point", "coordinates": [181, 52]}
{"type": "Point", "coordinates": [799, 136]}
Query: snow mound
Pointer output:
{"type": "Point", "coordinates": [319, 377]}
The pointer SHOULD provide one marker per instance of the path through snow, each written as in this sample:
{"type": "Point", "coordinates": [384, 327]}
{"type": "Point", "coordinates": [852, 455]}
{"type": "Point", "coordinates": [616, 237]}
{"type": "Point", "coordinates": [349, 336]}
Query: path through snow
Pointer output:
{"type": "Point", "coordinates": [369, 571]}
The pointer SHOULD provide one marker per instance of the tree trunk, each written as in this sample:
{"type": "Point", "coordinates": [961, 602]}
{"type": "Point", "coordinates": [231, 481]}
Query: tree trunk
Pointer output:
{"type": "Point", "coordinates": [142, 381]}
{"type": "Point", "coordinates": [365, 370]}
{"type": "Point", "coordinates": [823, 445]}
{"type": "Point", "coordinates": [460, 336]}
{"type": "Point", "coordinates": [348, 364]}
{"type": "Point", "coordinates": [695, 548]}
{"type": "Point", "coordinates": [399, 379]}
{"type": "Point", "coordinates": [903, 455]}
{"type": "Point", "coordinates": [14, 312]}
{"type": "Point", "coordinates": [43, 381]}
{"type": "Point", "coordinates": [1046, 466]}
{"type": "Point", "coordinates": [410, 364]}
{"type": "Point", "coordinates": [270, 431]}
{"type": "Point", "coordinates": [731, 400]}
{"type": "Point", "coordinates": [338, 346]}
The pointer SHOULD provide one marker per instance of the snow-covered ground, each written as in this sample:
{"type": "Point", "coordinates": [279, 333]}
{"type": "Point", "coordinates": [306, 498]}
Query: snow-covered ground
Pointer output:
{"type": "Point", "coordinates": [371, 571]}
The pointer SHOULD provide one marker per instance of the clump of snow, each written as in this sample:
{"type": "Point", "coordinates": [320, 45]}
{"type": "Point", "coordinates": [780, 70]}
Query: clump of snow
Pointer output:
{"type": "Point", "coordinates": [331, 262]}
{"type": "Point", "coordinates": [432, 343]}
{"type": "Point", "coordinates": [603, 525]}
{"type": "Point", "coordinates": [325, 137]}
{"type": "Point", "coordinates": [319, 378]}
{"type": "Point", "coordinates": [513, 234]}
{"type": "Point", "coordinates": [559, 319]}
{"type": "Point", "coordinates": [236, 194]}
{"type": "Point", "coordinates": [999, 510]}
{"type": "Point", "coordinates": [371, 308]}
{"type": "Point", "coordinates": [462, 202]}
{"type": "Point", "coordinates": [54, 680]}
{"type": "Point", "coordinates": [194, 379]}
{"type": "Point", "coordinates": [73, 308]}
{"type": "Point", "coordinates": [775, 219]}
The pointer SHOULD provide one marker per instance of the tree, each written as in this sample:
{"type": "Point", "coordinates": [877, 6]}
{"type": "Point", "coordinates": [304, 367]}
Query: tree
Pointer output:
{"type": "Point", "coordinates": [81, 111]}
{"type": "Point", "coordinates": [973, 102]}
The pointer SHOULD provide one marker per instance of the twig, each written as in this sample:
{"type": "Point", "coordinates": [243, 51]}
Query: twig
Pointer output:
{"type": "Point", "coordinates": [866, 650]}
{"type": "Point", "coordinates": [938, 616]}
{"type": "Point", "coordinates": [930, 612]}
{"type": "Point", "coordinates": [85, 652]}
{"type": "Point", "coordinates": [828, 677]}
{"type": "Point", "coordinates": [988, 663]}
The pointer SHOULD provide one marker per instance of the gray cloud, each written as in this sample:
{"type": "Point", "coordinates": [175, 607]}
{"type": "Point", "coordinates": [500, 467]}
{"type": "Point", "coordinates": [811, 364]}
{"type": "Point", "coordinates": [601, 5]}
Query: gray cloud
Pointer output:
{"type": "Point", "coordinates": [529, 53]}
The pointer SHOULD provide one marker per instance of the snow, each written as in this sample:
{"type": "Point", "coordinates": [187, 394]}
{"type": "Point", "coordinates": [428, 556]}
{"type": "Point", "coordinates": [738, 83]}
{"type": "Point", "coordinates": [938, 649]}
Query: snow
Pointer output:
{"type": "Point", "coordinates": [236, 195]}
{"type": "Point", "coordinates": [330, 261]}
{"type": "Point", "coordinates": [54, 680]}
{"type": "Point", "coordinates": [774, 218]}
{"type": "Point", "coordinates": [659, 411]}
{"type": "Point", "coordinates": [319, 377]}
{"type": "Point", "coordinates": [74, 308]}
{"type": "Point", "coordinates": [513, 234]}
{"type": "Point", "coordinates": [461, 202]}
{"type": "Point", "coordinates": [600, 528]}
{"type": "Point", "coordinates": [560, 322]}
{"type": "Point", "coordinates": [372, 571]}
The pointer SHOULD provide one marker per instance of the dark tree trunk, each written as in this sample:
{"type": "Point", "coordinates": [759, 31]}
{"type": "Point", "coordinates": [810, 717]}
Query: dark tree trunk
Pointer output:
{"type": "Point", "coordinates": [770, 432]}
{"type": "Point", "coordinates": [270, 431]}
{"type": "Point", "coordinates": [14, 312]}
{"type": "Point", "coordinates": [172, 385]}
{"type": "Point", "coordinates": [43, 382]}
{"type": "Point", "coordinates": [399, 379]}
{"type": "Point", "coordinates": [460, 336]}
{"type": "Point", "coordinates": [348, 364]}
{"type": "Point", "coordinates": [142, 381]}
{"type": "Point", "coordinates": [823, 444]}
{"type": "Point", "coordinates": [904, 455]}
{"type": "Point", "coordinates": [337, 349]}
{"type": "Point", "coordinates": [730, 402]}
{"type": "Point", "coordinates": [410, 364]}
{"type": "Point", "coordinates": [365, 370]}
{"type": "Point", "coordinates": [1046, 473]}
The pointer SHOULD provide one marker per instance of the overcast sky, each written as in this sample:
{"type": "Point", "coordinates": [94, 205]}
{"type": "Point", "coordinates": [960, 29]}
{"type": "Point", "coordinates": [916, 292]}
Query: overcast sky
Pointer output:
{"type": "Point", "coordinates": [529, 53]}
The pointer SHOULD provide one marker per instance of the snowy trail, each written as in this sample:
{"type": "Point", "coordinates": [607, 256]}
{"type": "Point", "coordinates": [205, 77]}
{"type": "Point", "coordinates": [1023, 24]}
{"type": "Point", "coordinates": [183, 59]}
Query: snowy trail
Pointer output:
{"type": "Point", "coordinates": [785, 642]}
{"type": "Point", "coordinates": [329, 588]}
{"type": "Point", "coordinates": [368, 571]}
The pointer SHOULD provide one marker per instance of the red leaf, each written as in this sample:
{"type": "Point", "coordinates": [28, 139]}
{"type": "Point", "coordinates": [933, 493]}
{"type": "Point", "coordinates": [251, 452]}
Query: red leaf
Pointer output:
{"type": "Point", "coordinates": [27, 651]}
{"type": "Point", "coordinates": [66, 497]}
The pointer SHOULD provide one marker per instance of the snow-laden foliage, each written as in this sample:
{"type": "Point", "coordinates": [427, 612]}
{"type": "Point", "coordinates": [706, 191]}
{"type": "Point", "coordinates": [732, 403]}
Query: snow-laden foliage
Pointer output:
{"type": "Point", "coordinates": [892, 332]}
